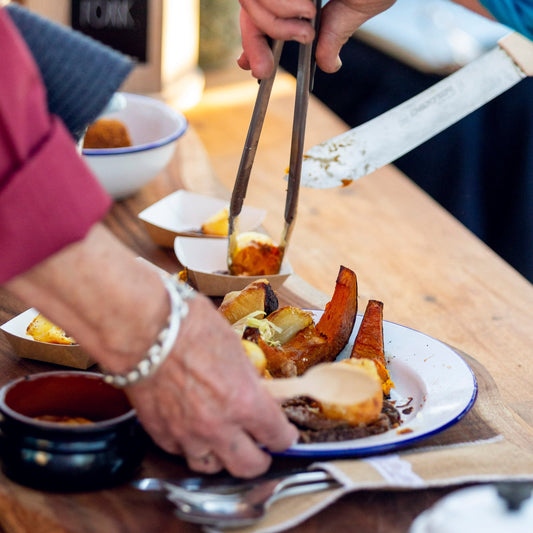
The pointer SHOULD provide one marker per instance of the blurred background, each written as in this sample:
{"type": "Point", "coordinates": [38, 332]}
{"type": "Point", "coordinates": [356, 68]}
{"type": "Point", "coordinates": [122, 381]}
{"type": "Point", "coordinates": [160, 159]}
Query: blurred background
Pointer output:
{"type": "Point", "coordinates": [480, 169]}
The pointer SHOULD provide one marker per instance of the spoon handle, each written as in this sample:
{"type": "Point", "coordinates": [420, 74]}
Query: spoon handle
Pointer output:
{"type": "Point", "coordinates": [285, 388]}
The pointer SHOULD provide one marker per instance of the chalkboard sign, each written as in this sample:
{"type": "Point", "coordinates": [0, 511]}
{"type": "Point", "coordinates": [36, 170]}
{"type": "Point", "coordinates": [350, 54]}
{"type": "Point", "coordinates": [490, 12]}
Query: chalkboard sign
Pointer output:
{"type": "Point", "coordinates": [121, 24]}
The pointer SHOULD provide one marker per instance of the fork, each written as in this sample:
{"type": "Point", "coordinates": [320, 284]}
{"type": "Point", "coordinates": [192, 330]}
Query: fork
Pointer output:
{"type": "Point", "coordinates": [235, 504]}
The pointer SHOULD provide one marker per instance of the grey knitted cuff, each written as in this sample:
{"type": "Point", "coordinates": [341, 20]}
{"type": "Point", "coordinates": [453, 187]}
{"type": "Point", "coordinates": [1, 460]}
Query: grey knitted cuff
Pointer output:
{"type": "Point", "coordinates": [80, 73]}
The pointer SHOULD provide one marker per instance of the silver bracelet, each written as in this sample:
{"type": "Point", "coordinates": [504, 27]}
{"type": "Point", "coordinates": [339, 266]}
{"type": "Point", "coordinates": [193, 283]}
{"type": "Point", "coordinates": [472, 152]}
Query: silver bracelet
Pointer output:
{"type": "Point", "coordinates": [178, 292]}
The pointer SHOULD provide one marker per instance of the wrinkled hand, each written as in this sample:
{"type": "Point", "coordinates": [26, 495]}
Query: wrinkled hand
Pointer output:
{"type": "Point", "coordinates": [285, 20]}
{"type": "Point", "coordinates": [206, 400]}
{"type": "Point", "coordinates": [207, 403]}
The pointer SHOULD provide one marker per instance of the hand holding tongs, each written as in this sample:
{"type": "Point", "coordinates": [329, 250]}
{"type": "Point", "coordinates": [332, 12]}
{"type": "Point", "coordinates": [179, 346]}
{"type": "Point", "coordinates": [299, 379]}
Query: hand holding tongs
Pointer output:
{"type": "Point", "coordinates": [305, 74]}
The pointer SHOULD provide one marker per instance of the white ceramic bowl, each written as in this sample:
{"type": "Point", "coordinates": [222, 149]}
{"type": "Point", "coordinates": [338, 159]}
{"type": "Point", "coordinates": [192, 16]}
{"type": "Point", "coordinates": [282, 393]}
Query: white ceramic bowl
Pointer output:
{"type": "Point", "coordinates": [154, 129]}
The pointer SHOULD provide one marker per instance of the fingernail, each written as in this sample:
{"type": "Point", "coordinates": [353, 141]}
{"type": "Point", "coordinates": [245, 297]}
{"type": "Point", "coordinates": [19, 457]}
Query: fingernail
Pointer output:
{"type": "Point", "coordinates": [338, 63]}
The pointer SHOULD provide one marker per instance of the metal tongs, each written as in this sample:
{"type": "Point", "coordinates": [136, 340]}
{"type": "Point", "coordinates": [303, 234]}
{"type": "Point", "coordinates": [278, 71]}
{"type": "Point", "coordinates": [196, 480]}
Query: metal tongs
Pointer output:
{"type": "Point", "coordinates": [304, 80]}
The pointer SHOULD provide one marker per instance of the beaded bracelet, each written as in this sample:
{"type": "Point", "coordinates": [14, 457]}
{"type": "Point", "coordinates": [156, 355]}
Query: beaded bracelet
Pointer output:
{"type": "Point", "coordinates": [158, 352]}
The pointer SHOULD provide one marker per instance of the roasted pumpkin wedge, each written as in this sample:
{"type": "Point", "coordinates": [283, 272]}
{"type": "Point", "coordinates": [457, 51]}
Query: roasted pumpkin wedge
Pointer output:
{"type": "Point", "coordinates": [257, 296]}
{"type": "Point", "coordinates": [321, 342]}
{"type": "Point", "coordinates": [369, 342]}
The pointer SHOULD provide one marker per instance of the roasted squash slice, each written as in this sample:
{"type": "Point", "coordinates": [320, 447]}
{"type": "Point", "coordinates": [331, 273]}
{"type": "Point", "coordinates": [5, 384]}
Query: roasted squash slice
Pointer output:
{"type": "Point", "coordinates": [369, 342]}
{"type": "Point", "coordinates": [257, 296]}
{"type": "Point", "coordinates": [321, 342]}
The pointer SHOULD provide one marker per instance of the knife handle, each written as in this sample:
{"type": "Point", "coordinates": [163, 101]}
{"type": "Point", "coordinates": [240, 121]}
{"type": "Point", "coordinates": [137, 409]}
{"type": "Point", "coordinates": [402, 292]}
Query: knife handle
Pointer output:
{"type": "Point", "coordinates": [520, 49]}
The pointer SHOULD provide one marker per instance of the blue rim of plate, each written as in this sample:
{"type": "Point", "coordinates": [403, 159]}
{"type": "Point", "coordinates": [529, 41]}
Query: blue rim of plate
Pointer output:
{"type": "Point", "coordinates": [311, 451]}
{"type": "Point", "coordinates": [181, 128]}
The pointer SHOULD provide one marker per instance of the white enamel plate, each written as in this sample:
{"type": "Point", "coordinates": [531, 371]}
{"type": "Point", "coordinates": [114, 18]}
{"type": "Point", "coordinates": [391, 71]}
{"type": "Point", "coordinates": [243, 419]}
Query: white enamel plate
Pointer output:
{"type": "Point", "coordinates": [429, 377]}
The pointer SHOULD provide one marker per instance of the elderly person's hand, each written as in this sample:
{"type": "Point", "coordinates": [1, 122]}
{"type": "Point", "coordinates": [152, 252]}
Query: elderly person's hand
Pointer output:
{"type": "Point", "coordinates": [205, 401]}
{"type": "Point", "coordinates": [289, 20]}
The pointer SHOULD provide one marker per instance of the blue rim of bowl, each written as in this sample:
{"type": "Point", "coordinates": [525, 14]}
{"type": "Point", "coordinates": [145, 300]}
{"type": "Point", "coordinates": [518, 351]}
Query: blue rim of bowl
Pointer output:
{"type": "Point", "coordinates": [180, 130]}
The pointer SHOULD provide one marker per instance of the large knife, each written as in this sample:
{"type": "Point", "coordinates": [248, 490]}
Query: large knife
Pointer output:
{"type": "Point", "coordinates": [382, 140]}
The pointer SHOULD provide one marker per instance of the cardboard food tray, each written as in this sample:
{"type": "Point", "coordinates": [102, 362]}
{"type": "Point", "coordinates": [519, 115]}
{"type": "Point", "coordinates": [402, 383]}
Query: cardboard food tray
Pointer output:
{"type": "Point", "coordinates": [182, 213]}
{"type": "Point", "coordinates": [69, 355]}
{"type": "Point", "coordinates": [205, 260]}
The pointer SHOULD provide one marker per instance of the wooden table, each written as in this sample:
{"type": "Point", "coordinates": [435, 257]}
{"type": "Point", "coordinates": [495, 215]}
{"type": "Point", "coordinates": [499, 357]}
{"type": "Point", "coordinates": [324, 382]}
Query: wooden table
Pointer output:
{"type": "Point", "coordinates": [432, 274]}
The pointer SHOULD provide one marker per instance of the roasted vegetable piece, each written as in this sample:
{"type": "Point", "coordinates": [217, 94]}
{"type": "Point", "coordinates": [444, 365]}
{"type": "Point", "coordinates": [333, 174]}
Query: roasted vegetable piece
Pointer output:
{"type": "Point", "coordinates": [289, 321]}
{"type": "Point", "coordinates": [42, 330]}
{"type": "Point", "coordinates": [216, 224]}
{"type": "Point", "coordinates": [256, 356]}
{"type": "Point", "coordinates": [320, 343]}
{"type": "Point", "coordinates": [257, 296]}
{"type": "Point", "coordinates": [369, 342]}
{"type": "Point", "coordinates": [255, 255]}
{"type": "Point", "coordinates": [364, 412]}
{"type": "Point", "coordinates": [107, 133]}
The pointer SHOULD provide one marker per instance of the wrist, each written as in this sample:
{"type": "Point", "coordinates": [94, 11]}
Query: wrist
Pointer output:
{"type": "Point", "coordinates": [178, 294]}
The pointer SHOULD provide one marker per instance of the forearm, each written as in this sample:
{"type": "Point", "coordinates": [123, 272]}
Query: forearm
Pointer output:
{"type": "Point", "coordinates": [48, 197]}
{"type": "Point", "coordinates": [97, 291]}
{"type": "Point", "coordinates": [517, 14]}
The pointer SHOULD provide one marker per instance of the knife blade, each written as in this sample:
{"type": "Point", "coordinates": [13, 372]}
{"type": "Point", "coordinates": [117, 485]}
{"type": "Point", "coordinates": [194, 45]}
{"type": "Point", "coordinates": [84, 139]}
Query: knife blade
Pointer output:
{"type": "Point", "coordinates": [361, 150]}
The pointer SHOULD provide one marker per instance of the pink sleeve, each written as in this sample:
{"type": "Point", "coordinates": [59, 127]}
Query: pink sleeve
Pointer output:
{"type": "Point", "coordinates": [48, 197]}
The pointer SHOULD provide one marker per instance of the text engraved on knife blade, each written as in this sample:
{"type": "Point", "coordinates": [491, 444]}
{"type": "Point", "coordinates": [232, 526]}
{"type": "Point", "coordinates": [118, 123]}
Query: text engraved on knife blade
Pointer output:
{"type": "Point", "coordinates": [367, 147]}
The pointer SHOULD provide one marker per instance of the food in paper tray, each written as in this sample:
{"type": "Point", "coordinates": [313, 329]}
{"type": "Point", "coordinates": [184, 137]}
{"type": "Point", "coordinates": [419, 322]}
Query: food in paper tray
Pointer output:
{"type": "Point", "coordinates": [107, 133]}
{"type": "Point", "coordinates": [286, 342]}
{"type": "Point", "coordinates": [41, 329]}
{"type": "Point", "coordinates": [255, 255]}
{"type": "Point", "coordinates": [216, 224]}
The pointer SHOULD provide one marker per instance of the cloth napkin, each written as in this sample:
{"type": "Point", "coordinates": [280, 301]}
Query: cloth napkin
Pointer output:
{"type": "Point", "coordinates": [489, 444]}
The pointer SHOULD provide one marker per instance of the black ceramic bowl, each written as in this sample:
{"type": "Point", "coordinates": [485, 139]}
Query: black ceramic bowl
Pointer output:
{"type": "Point", "coordinates": [68, 457]}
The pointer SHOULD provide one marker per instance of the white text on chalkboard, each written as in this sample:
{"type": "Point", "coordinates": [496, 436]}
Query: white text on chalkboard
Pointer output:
{"type": "Point", "coordinates": [106, 14]}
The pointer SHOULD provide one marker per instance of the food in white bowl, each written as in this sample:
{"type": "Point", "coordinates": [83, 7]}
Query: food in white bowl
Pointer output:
{"type": "Point", "coordinates": [154, 129]}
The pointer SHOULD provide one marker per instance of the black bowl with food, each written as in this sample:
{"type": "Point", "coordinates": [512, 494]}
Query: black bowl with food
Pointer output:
{"type": "Point", "coordinates": [68, 431]}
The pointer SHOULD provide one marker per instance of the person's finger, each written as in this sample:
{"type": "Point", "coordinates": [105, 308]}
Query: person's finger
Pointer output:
{"type": "Point", "coordinates": [152, 419]}
{"type": "Point", "coordinates": [243, 62]}
{"type": "Point", "coordinates": [338, 22]}
{"type": "Point", "coordinates": [261, 426]}
{"type": "Point", "coordinates": [270, 426]}
{"type": "Point", "coordinates": [257, 55]}
{"type": "Point", "coordinates": [282, 9]}
{"type": "Point", "coordinates": [285, 29]}
{"type": "Point", "coordinates": [241, 455]}
{"type": "Point", "coordinates": [203, 461]}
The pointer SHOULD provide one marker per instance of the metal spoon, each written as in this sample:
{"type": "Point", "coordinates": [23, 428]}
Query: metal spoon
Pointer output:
{"type": "Point", "coordinates": [225, 514]}
{"type": "Point", "coordinates": [237, 505]}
